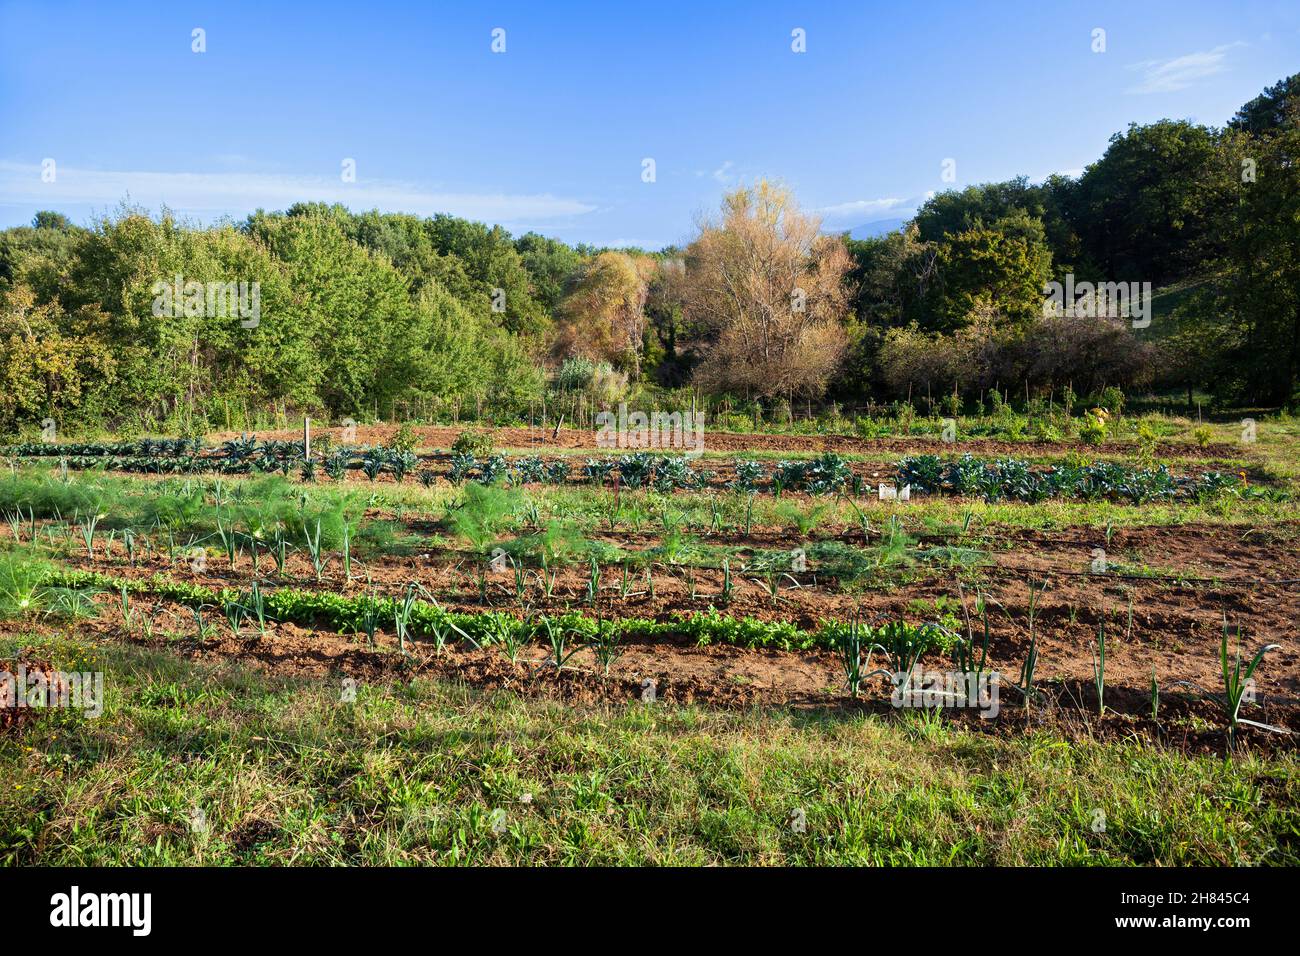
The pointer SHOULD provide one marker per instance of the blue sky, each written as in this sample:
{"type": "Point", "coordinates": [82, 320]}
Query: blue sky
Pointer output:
{"type": "Point", "coordinates": [551, 134]}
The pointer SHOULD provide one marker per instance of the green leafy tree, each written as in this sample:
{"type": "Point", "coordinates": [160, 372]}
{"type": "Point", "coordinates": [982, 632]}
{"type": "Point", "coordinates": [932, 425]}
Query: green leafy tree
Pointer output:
{"type": "Point", "coordinates": [1138, 208]}
{"type": "Point", "coordinates": [1003, 269]}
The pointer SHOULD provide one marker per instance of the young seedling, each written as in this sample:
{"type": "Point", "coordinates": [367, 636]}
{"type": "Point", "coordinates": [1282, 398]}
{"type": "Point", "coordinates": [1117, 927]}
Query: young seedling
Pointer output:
{"type": "Point", "coordinates": [402, 611]}
{"type": "Point", "coordinates": [279, 549]}
{"type": "Point", "coordinates": [369, 618]}
{"type": "Point", "coordinates": [854, 646]}
{"type": "Point", "coordinates": [88, 525]}
{"type": "Point", "coordinates": [201, 627]}
{"type": "Point", "coordinates": [606, 645]}
{"type": "Point", "coordinates": [593, 582]}
{"type": "Point", "coordinates": [1238, 686]}
{"type": "Point", "coordinates": [228, 542]}
{"type": "Point", "coordinates": [127, 614]}
{"type": "Point", "coordinates": [548, 577]}
{"type": "Point", "coordinates": [557, 635]}
{"type": "Point", "coordinates": [318, 558]}
{"type": "Point", "coordinates": [347, 551]}
{"type": "Point", "coordinates": [1030, 663]}
{"type": "Point", "coordinates": [512, 636]}
{"type": "Point", "coordinates": [254, 608]}
{"type": "Point", "coordinates": [235, 614]}
{"type": "Point", "coordinates": [73, 603]}
{"type": "Point", "coordinates": [1099, 668]}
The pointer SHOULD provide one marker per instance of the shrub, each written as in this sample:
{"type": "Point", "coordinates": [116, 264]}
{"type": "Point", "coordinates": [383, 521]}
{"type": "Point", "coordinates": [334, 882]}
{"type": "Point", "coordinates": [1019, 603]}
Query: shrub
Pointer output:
{"type": "Point", "coordinates": [404, 440]}
{"type": "Point", "coordinates": [575, 374]}
{"type": "Point", "coordinates": [1092, 430]}
{"type": "Point", "coordinates": [1111, 399]}
{"type": "Point", "coordinates": [473, 441]}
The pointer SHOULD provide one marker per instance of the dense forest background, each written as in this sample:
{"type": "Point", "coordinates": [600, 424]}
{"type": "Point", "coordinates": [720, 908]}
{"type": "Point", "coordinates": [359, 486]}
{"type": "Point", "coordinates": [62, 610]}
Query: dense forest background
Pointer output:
{"type": "Point", "coordinates": [384, 315]}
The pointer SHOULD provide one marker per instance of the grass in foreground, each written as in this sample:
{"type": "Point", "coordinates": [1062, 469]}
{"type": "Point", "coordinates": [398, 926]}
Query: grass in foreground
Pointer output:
{"type": "Point", "coordinates": [192, 764]}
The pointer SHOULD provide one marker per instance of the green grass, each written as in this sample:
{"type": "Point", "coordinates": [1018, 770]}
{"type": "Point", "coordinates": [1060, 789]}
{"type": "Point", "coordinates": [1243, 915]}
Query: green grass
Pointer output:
{"type": "Point", "coordinates": [284, 772]}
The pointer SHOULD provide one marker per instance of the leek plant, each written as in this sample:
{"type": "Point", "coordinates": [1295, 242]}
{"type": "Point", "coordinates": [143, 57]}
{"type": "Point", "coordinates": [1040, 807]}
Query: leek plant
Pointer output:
{"type": "Point", "coordinates": [854, 647]}
{"type": "Point", "coordinates": [318, 557]}
{"type": "Point", "coordinates": [127, 614]}
{"type": "Point", "coordinates": [347, 551]}
{"type": "Point", "coordinates": [1236, 683]}
{"type": "Point", "coordinates": [229, 542]}
{"type": "Point", "coordinates": [235, 613]}
{"type": "Point", "coordinates": [201, 627]}
{"type": "Point", "coordinates": [1099, 668]}
{"type": "Point", "coordinates": [88, 525]}
{"type": "Point", "coordinates": [513, 636]}
{"type": "Point", "coordinates": [73, 603]}
{"type": "Point", "coordinates": [593, 581]}
{"type": "Point", "coordinates": [402, 615]}
{"type": "Point", "coordinates": [256, 607]}
{"type": "Point", "coordinates": [279, 549]}
{"type": "Point", "coordinates": [557, 635]}
{"type": "Point", "coordinates": [606, 645]}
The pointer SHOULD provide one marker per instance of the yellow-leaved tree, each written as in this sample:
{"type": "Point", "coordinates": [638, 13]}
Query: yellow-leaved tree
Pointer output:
{"type": "Point", "coordinates": [766, 293]}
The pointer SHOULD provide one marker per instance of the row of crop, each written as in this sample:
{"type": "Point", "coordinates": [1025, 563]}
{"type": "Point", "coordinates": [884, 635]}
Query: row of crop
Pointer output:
{"type": "Point", "coordinates": [901, 644]}
{"type": "Point", "coordinates": [144, 448]}
{"type": "Point", "coordinates": [427, 619]}
{"type": "Point", "coordinates": [1015, 480]}
{"type": "Point", "coordinates": [371, 462]}
{"type": "Point", "coordinates": [826, 474]}
{"type": "Point", "coordinates": [1002, 479]}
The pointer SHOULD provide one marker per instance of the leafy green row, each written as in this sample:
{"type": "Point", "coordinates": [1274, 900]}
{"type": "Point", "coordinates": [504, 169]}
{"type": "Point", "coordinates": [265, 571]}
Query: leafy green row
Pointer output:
{"type": "Point", "coordinates": [1015, 480]}
{"type": "Point", "coordinates": [428, 619]}
{"type": "Point", "coordinates": [145, 447]}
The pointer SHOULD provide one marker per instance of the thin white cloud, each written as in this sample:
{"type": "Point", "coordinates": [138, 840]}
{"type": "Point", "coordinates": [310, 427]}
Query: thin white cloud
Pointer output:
{"type": "Point", "coordinates": [862, 209]}
{"type": "Point", "coordinates": [241, 192]}
{"type": "Point", "coordinates": [1169, 76]}
{"type": "Point", "coordinates": [723, 173]}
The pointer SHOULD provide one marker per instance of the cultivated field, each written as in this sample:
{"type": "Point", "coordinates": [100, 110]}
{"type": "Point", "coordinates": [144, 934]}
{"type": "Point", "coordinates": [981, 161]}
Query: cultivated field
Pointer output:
{"type": "Point", "coordinates": [441, 645]}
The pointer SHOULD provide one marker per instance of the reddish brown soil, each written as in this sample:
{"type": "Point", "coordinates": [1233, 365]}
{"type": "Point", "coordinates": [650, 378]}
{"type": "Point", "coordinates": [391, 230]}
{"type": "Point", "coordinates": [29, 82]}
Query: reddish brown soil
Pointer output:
{"type": "Point", "coordinates": [720, 676]}
{"type": "Point", "coordinates": [433, 437]}
{"type": "Point", "coordinates": [1252, 577]}
{"type": "Point", "coordinates": [13, 716]}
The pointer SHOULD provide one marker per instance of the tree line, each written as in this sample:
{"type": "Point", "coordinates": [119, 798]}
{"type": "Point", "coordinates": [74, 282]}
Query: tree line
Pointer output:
{"type": "Point", "coordinates": [386, 314]}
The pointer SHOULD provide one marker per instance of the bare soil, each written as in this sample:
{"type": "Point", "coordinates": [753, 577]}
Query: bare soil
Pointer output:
{"type": "Point", "coordinates": [1172, 623]}
{"type": "Point", "coordinates": [435, 437]}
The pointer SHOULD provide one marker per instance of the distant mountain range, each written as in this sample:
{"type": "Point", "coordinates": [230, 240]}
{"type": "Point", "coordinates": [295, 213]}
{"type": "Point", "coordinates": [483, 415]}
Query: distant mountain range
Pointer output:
{"type": "Point", "coordinates": [877, 228]}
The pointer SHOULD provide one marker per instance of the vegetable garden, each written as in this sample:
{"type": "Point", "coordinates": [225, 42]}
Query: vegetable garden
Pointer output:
{"type": "Point", "coordinates": [1107, 599]}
